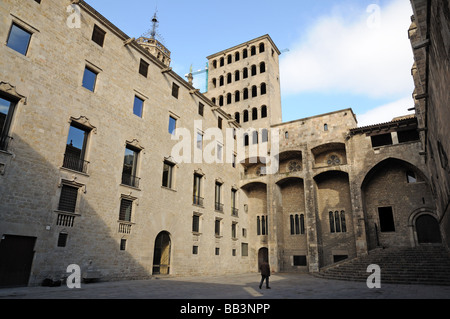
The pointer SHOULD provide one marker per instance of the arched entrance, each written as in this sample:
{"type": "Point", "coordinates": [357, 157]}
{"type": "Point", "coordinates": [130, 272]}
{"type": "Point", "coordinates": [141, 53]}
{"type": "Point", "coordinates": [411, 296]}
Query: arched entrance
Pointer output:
{"type": "Point", "coordinates": [427, 229]}
{"type": "Point", "coordinates": [161, 254]}
{"type": "Point", "coordinates": [263, 256]}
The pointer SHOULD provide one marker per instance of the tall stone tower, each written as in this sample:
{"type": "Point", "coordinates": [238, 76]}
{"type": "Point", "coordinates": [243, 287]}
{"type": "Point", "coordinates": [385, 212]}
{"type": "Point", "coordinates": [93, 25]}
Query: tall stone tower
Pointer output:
{"type": "Point", "coordinates": [245, 81]}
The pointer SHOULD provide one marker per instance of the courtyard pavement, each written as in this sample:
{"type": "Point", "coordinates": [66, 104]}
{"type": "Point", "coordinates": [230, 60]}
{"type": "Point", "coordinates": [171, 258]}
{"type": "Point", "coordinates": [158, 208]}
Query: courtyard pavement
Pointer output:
{"type": "Point", "coordinates": [230, 287]}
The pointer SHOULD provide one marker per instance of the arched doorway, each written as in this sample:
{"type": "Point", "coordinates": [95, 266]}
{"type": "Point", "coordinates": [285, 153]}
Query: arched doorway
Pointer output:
{"type": "Point", "coordinates": [161, 254]}
{"type": "Point", "coordinates": [427, 229]}
{"type": "Point", "coordinates": [263, 256]}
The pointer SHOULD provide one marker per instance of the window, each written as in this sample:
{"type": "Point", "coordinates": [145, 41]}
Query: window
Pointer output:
{"type": "Point", "coordinates": [126, 207]}
{"type": "Point", "coordinates": [195, 250]}
{"type": "Point", "coordinates": [222, 61]}
{"type": "Point", "coordinates": [263, 111]}
{"type": "Point", "coordinates": [246, 139]}
{"type": "Point", "coordinates": [337, 222]}
{"type": "Point", "coordinates": [262, 67]}
{"type": "Point", "coordinates": [138, 106]}
{"type": "Point", "coordinates": [74, 157]}
{"type": "Point", "coordinates": [253, 70]}
{"type": "Point", "coordinates": [229, 78]}
{"type": "Point", "coordinates": [254, 114]}
{"type": "Point", "coordinates": [244, 249]}
{"type": "Point", "coordinates": [236, 56]}
{"type": "Point", "coordinates": [143, 68]}
{"type": "Point", "coordinates": [380, 140]}
{"type": "Point", "coordinates": [123, 244]}
{"type": "Point", "coordinates": [245, 73]}
{"type": "Point", "coordinates": [221, 100]}
{"type": "Point", "coordinates": [255, 137]}
{"type": "Point", "coordinates": [217, 251]}
{"type": "Point", "coordinates": [261, 47]}
{"type": "Point", "coordinates": [62, 239]}
{"type": "Point", "coordinates": [172, 125]}
{"type": "Point", "coordinates": [254, 91]}
{"type": "Point", "coordinates": [214, 64]}
{"type": "Point", "coordinates": [218, 197]}
{"type": "Point", "coordinates": [38, 1]}
{"type": "Point", "coordinates": [197, 199]}
{"type": "Point", "coordinates": [221, 81]}
{"type": "Point", "coordinates": [19, 39]}
{"type": "Point", "coordinates": [408, 136]}
{"type": "Point", "coordinates": [219, 152]}
{"type": "Point", "coordinates": [98, 36]}
{"type": "Point", "coordinates": [299, 260]}
{"type": "Point", "coordinates": [386, 219]}
{"type": "Point", "coordinates": [263, 88]}
{"type": "Point", "coordinates": [217, 227]}
{"type": "Point", "coordinates": [265, 136]}
{"type": "Point", "coordinates": [262, 225]}
{"type": "Point", "coordinates": [201, 109]}
{"type": "Point", "coordinates": [237, 76]}
{"type": "Point", "coordinates": [89, 79]}
{"type": "Point", "coordinates": [286, 135]}
{"type": "Point", "coordinates": [237, 117]}
{"type": "Point", "coordinates": [199, 140]}
{"type": "Point", "coordinates": [129, 171]}
{"type": "Point", "coordinates": [175, 89]}
{"type": "Point", "coordinates": [237, 96]}
{"type": "Point", "coordinates": [297, 223]}
{"type": "Point", "coordinates": [229, 98]}
{"type": "Point", "coordinates": [7, 108]}
{"type": "Point", "coordinates": [325, 127]}
{"type": "Point", "coordinates": [229, 59]}
{"type": "Point", "coordinates": [167, 174]}
{"type": "Point", "coordinates": [244, 53]}
{"type": "Point", "coordinates": [68, 199]}
{"type": "Point", "coordinates": [196, 223]}
{"type": "Point", "coordinates": [214, 82]}
{"type": "Point", "coordinates": [411, 177]}
{"type": "Point", "coordinates": [234, 210]}
{"type": "Point", "coordinates": [245, 95]}
{"type": "Point", "coordinates": [233, 230]}
{"type": "Point", "coordinates": [253, 50]}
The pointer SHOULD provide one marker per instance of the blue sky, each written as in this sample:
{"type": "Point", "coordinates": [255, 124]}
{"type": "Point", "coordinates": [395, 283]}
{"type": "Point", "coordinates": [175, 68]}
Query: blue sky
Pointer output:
{"type": "Point", "coordinates": [342, 54]}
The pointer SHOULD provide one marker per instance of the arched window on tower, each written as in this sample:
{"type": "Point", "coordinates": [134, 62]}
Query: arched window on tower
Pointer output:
{"type": "Point", "coordinates": [263, 88]}
{"type": "Point", "coordinates": [214, 63]}
{"type": "Point", "coordinates": [254, 91]}
{"type": "Point", "coordinates": [229, 78]}
{"type": "Point", "coordinates": [254, 114]}
{"type": "Point", "coordinates": [237, 56]}
{"type": "Point", "coordinates": [245, 73]}
{"type": "Point", "coordinates": [222, 61]}
{"type": "Point", "coordinates": [237, 96]}
{"type": "Point", "coordinates": [237, 117]}
{"type": "Point", "coordinates": [253, 70]}
{"type": "Point", "coordinates": [245, 116]}
{"type": "Point", "coordinates": [237, 76]}
{"type": "Point", "coordinates": [214, 82]}
{"type": "Point", "coordinates": [221, 100]}
{"type": "Point", "coordinates": [229, 101]}
{"type": "Point", "coordinates": [262, 67]}
{"type": "Point", "coordinates": [229, 58]}
{"type": "Point", "coordinates": [221, 81]}
{"type": "Point", "coordinates": [261, 47]}
{"type": "Point", "coordinates": [253, 50]}
{"type": "Point", "coordinates": [245, 94]}
{"type": "Point", "coordinates": [263, 111]}
{"type": "Point", "coordinates": [244, 53]}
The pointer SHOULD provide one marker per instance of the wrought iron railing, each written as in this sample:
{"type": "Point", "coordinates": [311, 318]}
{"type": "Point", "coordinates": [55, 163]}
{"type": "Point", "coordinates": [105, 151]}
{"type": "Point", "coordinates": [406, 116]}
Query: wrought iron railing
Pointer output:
{"type": "Point", "coordinates": [130, 180]}
{"type": "Point", "coordinates": [218, 207]}
{"type": "Point", "coordinates": [234, 212]}
{"type": "Point", "coordinates": [65, 220]}
{"type": "Point", "coordinates": [75, 163]}
{"type": "Point", "coordinates": [197, 200]}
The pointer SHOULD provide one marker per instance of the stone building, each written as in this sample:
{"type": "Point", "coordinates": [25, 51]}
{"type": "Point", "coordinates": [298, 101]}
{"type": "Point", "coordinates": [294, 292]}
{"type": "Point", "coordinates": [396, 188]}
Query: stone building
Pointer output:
{"type": "Point", "coordinates": [95, 169]}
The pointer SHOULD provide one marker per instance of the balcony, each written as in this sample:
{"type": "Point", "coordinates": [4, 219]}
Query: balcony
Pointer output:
{"type": "Point", "coordinates": [234, 212]}
{"type": "Point", "coordinates": [4, 142]}
{"type": "Point", "coordinates": [218, 207]}
{"type": "Point", "coordinates": [130, 180]}
{"type": "Point", "coordinates": [75, 163]}
{"type": "Point", "coordinates": [197, 200]}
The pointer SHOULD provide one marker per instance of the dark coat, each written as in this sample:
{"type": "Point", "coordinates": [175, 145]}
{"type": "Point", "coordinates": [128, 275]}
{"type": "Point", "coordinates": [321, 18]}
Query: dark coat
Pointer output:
{"type": "Point", "coordinates": [265, 269]}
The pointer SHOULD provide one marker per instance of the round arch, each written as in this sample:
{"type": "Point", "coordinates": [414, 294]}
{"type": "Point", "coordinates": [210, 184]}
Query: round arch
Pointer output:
{"type": "Point", "coordinates": [161, 253]}
{"type": "Point", "coordinates": [424, 226]}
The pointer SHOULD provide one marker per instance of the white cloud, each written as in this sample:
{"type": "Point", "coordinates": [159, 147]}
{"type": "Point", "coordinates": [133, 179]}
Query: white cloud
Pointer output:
{"type": "Point", "coordinates": [385, 113]}
{"type": "Point", "coordinates": [350, 56]}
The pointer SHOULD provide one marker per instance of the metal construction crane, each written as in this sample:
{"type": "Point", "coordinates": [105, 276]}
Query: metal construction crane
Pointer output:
{"type": "Point", "coordinates": [201, 71]}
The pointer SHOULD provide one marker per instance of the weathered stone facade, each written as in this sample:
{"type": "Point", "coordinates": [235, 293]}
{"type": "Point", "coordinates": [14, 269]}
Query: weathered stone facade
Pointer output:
{"type": "Point", "coordinates": [172, 215]}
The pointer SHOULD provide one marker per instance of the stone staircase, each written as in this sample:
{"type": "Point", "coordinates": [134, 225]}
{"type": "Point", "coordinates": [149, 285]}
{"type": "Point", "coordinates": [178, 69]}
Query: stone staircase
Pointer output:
{"type": "Point", "coordinates": [428, 265]}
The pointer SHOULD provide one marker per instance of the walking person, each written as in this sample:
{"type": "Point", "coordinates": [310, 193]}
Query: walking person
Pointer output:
{"type": "Point", "coordinates": [265, 274]}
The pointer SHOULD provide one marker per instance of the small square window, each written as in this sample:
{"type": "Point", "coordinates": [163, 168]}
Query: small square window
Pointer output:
{"type": "Point", "coordinates": [18, 39]}
{"type": "Point", "coordinates": [98, 36]}
{"type": "Point", "coordinates": [89, 79]}
{"type": "Point", "coordinates": [172, 125]}
{"type": "Point", "coordinates": [143, 68]}
{"type": "Point", "coordinates": [175, 89]}
{"type": "Point", "coordinates": [138, 106]}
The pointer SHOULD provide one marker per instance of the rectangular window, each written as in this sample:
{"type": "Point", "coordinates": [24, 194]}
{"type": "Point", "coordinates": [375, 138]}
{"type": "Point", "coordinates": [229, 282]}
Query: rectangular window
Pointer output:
{"type": "Point", "coordinates": [123, 244]}
{"type": "Point", "coordinates": [175, 89]}
{"type": "Point", "coordinates": [197, 199]}
{"type": "Point", "coordinates": [244, 249]}
{"type": "Point", "coordinates": [19, 39]}
{"type": "Point", "coordinates": [201, 108]}
{"type": "Point", "coordinates": [89, 79]}
{"type": "Point", "coordinates": [126, 207]}
{"type": "Point", "coordinates": [262, 225]}
{"type": "Point", "coordinates": [233, 231]}
{"type": "Point", "coordinates": [195, 250]}
{"type": "Point", "coordinates": [172, 125]}
{"type": "Point", "coordinates": [196, 223]}
{"type": "Point", "coordinates": [199, 140]}
{"type": "Point", "coordinates": [138, 106]}
{"type": "Point", "coordinates": [218, 197]}
{"type": "Point", "coordinates": [408, 136]}
{"type": "Point", "coordinates": [143, 68]}
{"type": "Point", "coordinates": [217, 251]}
{"type": "Point", "coordinates": [98, 36]}
{"type": "Point", "coordinates": [300, 261]}
{"type": "Point", "coordinates": [7, 108]}
{"type": "Point", "coordinates": [219, 152]}
{"type": "Point", "coordinates": [74, 157]}
{"type": "Point", "coordinates": [386, 219]}
{"type": "Point", "coordinates": [129, 170]}
{"type": "Point", "coordinates": [68, 199]}
{"type": "Point", "coordinates": [234, 210]}
{"type": "Point", "coordinates": [219, 123]}
{"type": "Point", "coordinates": [62, 239]}
{"type": "Point", "coordinates": [167, 174]}
{"type": "Point", "coordinates": [380, 140]}
{"type": "Point", "coordinates": [217, 227]}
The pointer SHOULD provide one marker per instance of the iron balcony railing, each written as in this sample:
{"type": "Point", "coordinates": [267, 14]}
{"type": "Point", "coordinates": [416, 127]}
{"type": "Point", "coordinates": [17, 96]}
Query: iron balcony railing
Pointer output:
{"type": "Point", "coordinates": [75, 163]}
{"type": "Point", "coordinates": [4, 142]}
{"type": "Point", "coordinates": [130, 180]}
{"type": "Point", "coordinates": [197, 200]}
{"type": "Point", "coordinates": [218, 207]}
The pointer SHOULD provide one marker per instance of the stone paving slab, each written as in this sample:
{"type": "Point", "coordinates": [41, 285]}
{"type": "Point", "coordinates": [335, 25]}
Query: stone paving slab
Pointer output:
{"type": "Point", "coordinates": [243, 286]}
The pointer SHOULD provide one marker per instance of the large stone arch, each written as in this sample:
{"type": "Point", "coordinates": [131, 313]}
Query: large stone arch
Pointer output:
{"type": "Point", "coordinates": [391, 190]}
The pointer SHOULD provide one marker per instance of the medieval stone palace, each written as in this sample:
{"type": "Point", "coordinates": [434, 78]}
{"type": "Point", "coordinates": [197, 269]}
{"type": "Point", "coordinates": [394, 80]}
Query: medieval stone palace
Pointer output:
{"type": "Point", "coordinates": [98, 137]}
